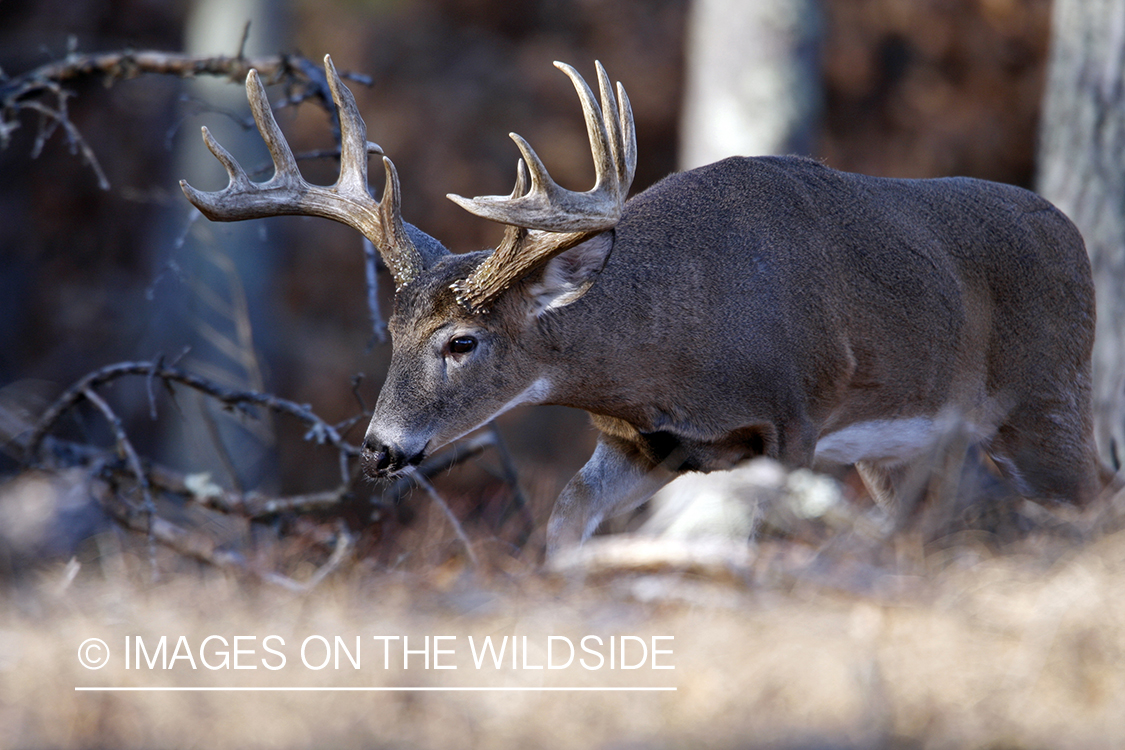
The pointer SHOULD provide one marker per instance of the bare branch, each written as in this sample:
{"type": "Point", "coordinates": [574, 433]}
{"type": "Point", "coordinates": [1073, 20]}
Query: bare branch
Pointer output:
{"type": "Point", "coordinates": [58, 117]}
{"type": "Point", "coordinates": [134, 463]}
{"type": "Point", "coordinates": [126, 64]}
{"type": "Point", "coordinates": [319, 430]}
{"type": "Point", "coordinates": [28, 91]}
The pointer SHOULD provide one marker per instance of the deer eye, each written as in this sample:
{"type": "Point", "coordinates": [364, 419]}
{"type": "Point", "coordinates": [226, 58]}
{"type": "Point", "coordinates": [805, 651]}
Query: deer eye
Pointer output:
{"type": "Point", "coordinates": [462, 344]}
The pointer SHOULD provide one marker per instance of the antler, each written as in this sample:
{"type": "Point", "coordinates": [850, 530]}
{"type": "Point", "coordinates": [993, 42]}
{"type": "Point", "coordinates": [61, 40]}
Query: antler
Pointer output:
{"type": "Point", "coordinates": [559, 218]}
{"type": "Point", "coordinates": [288, 193]}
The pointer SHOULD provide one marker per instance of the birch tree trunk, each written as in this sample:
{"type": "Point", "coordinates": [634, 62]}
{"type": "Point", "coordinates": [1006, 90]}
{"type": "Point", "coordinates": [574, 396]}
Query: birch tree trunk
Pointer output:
{"type": "Point", "coordinates": [1082, 171]}
{"type": "Point", "coordinates": [224, 306]}
{"type": "Point", "coordinates": [752, 87]}
{"type": "Point", "coordinates": [752, 79]}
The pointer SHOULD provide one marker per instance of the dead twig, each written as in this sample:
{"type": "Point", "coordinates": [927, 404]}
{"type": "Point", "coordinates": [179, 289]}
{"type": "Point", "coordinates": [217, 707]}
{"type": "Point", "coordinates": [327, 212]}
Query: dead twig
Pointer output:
{"type": "Point", "coordinates": [49, 120]}
{"type": "Point", "coordinates": [424, 483]}
{"type": "Point", "coordinates": [123, 65]}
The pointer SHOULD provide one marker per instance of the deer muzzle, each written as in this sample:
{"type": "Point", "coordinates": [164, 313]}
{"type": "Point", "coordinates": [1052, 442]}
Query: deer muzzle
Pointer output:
{"type": "Point", "coordinates": [381, 459]}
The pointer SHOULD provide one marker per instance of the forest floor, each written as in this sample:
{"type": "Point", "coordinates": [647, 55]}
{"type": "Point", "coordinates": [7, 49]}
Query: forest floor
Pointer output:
{"type": "Point", "coordinates": [962, 646]}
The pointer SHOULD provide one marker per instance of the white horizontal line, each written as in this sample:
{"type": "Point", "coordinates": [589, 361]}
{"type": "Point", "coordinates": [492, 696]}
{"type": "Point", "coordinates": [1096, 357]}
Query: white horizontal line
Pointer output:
{"type": "Point", "coordinates": [367, 689]}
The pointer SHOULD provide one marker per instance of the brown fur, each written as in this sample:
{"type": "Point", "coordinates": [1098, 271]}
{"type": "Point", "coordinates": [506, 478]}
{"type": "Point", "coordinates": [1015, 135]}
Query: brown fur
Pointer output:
{"type": "Point", "coordinates": [756, 305]}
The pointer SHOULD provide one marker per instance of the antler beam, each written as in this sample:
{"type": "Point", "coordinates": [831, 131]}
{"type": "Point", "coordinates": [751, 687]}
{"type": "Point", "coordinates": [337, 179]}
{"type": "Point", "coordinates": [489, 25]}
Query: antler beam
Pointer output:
{"type": "Point", "coordinates": [558, 218]}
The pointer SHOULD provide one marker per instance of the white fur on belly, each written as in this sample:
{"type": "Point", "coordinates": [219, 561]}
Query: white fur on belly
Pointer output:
{"type": "Point", "coordinates": [883, 440]}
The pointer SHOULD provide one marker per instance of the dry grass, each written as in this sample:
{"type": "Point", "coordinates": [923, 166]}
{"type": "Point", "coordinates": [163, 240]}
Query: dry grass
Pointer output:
{"type": "Point", "coordinates": [972, 649]}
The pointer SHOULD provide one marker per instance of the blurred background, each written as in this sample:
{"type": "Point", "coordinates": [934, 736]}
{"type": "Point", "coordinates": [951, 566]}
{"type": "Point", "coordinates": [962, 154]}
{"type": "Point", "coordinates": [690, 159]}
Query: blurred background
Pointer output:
{"type": "Point", "coordinates": [834, 639]}
{"type": "Point", "coordinates": [91, 275]}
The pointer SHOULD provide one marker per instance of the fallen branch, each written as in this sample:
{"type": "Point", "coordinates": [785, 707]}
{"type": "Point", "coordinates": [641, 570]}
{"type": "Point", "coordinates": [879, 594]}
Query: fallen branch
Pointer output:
{"type": "Point", "coordinates": [204, 549]}
{"type": "Point", "coordinates": [252, 505]}
{"type": "Point", "coordinates": [319, 430]}
{"type": "Point", "coordinates": [123, 466]}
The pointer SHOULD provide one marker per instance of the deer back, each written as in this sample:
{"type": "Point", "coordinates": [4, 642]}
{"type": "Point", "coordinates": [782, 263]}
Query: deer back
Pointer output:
{"type": "Point", "coordinates": [776, 289]}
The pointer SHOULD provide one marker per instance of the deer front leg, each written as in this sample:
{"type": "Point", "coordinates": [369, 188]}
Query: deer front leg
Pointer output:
{"type": "Point", "coordinates": [616, 479]}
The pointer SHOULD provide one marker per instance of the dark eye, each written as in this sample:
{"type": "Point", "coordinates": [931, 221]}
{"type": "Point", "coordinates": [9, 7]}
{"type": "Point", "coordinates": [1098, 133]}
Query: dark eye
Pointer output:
{"type": "Point", "coordinates": [462, 344]}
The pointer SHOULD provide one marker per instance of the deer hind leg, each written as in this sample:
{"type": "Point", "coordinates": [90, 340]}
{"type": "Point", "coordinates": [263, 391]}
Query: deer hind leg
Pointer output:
{"type": "Point", "coordinates": [1047, 451]}
{"type": "Point", "coordinates": [938, 490]}
{"type": "Point", "coordinates": [932, 473]}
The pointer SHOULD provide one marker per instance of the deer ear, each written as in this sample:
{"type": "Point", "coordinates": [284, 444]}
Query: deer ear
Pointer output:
{"type": "Point", "coordinates": [569, 275]}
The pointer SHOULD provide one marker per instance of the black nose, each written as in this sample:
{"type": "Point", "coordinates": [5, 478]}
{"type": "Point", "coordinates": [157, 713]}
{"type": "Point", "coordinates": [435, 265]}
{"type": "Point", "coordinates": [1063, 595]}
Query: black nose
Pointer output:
{"type": "Point", "coordinates": [380, 460]}
{"type": "Point", "coordinates": [375, 459]}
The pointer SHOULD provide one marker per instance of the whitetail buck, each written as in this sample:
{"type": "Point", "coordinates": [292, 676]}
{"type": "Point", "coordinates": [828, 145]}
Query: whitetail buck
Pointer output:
{"type": "Point", "coordinates": [754, 306]}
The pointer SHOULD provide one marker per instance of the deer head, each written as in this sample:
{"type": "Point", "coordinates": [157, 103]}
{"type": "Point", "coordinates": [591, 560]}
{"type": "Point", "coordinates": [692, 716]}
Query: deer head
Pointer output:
{"type": "Point", "coordinates": [475, 320]}
{"type": "Point", "coordinates": [458, 320]}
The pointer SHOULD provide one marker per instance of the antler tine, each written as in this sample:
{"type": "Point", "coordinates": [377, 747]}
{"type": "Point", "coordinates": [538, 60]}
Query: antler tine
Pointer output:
{"type": "Point", "coordinates": [514, 236]}
{"type": "Point", "coordinates": [615, 147]}
{"type": "Point", "coordinates": [562, 217]}
{"type": "Point", "coordinates": [353, 135]}
{"type": "Point", "coordinates": [521, 179]}
{"type": "Point", "coordinates": [234, 170]}
{"type": "Point", "coordinates": [284, 164]}
{"type": "Point", "coordinates": [288, 193]}
{"type": "Point", "coordinates": [621, 131]}
{"type": "Point", "coordinates": [551, 208]}
{"type": "Point", "coordinates": [627, 165]}
{"type": "Point", "coordinates": [406, 264]}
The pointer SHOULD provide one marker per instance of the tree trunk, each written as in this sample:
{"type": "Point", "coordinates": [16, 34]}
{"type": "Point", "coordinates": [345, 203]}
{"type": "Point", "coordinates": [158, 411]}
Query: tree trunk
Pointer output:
{"type": "Point", "coordinates": [752, 79]}
{"type": "Point", "coordinates": [1082, 171]}
{"type": "Point", "coordinates": [223, 304]}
